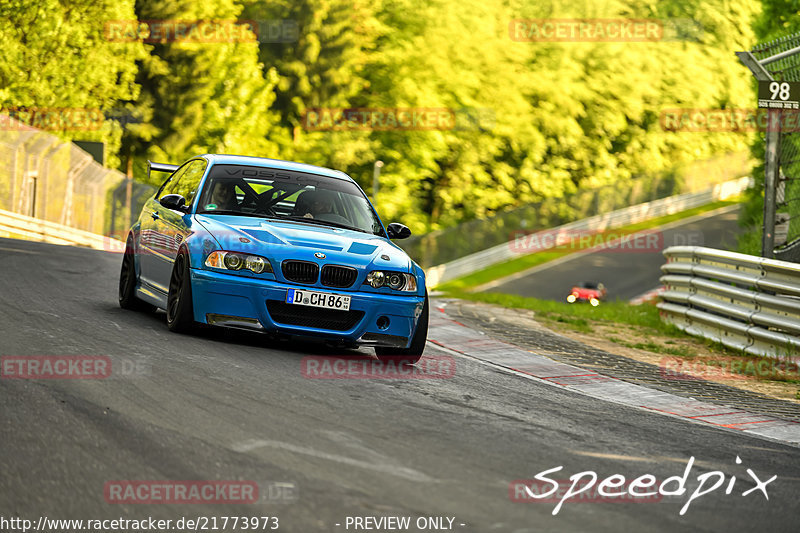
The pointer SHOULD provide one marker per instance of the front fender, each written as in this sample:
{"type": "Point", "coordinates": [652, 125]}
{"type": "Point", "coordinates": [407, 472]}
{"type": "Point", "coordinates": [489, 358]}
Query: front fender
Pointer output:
{"type": "Point", "coordinates": [420, 275]}
{"type": "Point", "coordinates": [199, 244]}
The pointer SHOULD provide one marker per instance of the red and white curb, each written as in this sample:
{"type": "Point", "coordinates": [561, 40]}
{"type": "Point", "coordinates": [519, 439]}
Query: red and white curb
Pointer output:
{"type": "Point", "coordinates": [454, 336]}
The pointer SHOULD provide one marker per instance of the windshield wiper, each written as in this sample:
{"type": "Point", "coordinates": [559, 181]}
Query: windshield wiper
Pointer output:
{"type": "Point", "coordinates": [320, 222]}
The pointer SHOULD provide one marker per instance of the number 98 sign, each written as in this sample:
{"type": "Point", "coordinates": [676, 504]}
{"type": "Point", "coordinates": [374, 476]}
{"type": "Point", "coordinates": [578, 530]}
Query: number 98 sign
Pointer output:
{"type": "Point", "coordinates": [779, 94]}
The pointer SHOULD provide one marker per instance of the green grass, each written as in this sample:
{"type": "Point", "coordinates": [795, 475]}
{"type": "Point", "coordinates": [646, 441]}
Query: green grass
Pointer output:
{"type": "Point", "coordinates": [582, 317]}
{"type": "Point", "coordinates": [657, 348]}
{"type": "Point", "coordinates": [525, 262]}
{"type": "Point", "coordinates": [501, 270]}
{"type": "Point", "coordinates": [578, 315]}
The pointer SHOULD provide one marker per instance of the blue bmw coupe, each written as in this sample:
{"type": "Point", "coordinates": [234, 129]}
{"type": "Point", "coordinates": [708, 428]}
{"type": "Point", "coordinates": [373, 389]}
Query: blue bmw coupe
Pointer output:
{"type": "Point", "coordinates": [276, 247]}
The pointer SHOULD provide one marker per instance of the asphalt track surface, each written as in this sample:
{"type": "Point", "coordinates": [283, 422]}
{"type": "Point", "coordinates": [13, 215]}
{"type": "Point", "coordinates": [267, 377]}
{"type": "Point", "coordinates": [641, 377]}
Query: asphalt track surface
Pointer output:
{"type": "Point", "coordinates": [627, 272]}
{"type": "Point", "coordinates": [233, 406]}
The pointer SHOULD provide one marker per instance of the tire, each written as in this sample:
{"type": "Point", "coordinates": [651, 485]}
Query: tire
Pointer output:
{"type": "Point", "coordinates": [412, 354]}
{"type": "Point", "coordinates": [127, 282]}
{"type": "Point", "coordinates": [180, 310]}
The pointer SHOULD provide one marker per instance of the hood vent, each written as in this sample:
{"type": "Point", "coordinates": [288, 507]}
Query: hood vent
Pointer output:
{"type": "Point", "coordinates": [362, 249]}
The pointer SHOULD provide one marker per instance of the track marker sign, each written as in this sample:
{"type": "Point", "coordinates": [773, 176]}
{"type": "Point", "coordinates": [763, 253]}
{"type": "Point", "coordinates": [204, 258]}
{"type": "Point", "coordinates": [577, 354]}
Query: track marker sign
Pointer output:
{"type": "Point", "coordinates": [779, 94]}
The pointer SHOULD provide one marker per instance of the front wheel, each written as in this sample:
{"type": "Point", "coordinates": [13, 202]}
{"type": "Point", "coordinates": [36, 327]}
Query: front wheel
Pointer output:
{"type": "Point", "coordinates": [412, 354]}
{"type": "Point", "coordinates": [180, 311]}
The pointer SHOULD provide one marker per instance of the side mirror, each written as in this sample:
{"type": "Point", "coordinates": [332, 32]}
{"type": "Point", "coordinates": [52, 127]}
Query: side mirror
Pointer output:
{"type": "Point", "coordinates": [175, 202]}
{"type": "Point", "coordinates": [396, 230]}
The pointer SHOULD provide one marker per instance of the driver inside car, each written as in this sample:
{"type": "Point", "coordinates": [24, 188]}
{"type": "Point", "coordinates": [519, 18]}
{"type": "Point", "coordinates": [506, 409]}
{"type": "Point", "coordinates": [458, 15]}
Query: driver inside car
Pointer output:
{"type": "Point", "coordinates": [318, 205]}
{"type": "Point", "coordinates": [223, 197]}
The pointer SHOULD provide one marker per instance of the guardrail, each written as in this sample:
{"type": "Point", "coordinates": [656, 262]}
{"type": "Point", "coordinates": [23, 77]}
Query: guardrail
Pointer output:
{"type": "Point", "coordinates": [35, 229]}
{"type": "Point", "coordinates": [744, 302]}
{"type": "Point", "coordinates": [616, 219]}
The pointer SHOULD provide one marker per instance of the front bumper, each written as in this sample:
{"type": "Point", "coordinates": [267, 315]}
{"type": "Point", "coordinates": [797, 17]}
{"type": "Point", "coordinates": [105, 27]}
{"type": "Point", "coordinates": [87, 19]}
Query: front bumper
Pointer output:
{"type": "Point", "coordinates": [243, 302]}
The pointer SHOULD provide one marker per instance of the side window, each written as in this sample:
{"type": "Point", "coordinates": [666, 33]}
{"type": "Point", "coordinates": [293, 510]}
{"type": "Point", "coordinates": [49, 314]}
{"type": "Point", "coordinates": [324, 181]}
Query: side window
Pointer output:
{"type": "Point", "coordinates": [172, 181]}
{"type": "Point", "coordinates": [189, 182]}
{"type": "Point", "coordinates": [185, 180]}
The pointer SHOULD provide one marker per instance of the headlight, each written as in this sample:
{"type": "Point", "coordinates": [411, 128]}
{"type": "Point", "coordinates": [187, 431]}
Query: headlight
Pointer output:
{"type": "Point", "coordinates": [398, 281]}
{"type": "Point", "coordinates": [376, 278]}
{"type": "Point", "coordinates": [395, 281]}
{"type": "Point", "coordinates": [238, 261]}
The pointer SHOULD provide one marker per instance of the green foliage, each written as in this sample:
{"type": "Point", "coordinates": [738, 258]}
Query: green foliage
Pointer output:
{"type": "Point", "coordinates": [56, 55]}
{"type": "Point", "coordinates": [534, 121]}
{"type": "Point", "coordinates": [580, 315]}
{"type": "Point", "coordinates": [199, 97]}
{"type": "Point", "coordinates": [777, 18]}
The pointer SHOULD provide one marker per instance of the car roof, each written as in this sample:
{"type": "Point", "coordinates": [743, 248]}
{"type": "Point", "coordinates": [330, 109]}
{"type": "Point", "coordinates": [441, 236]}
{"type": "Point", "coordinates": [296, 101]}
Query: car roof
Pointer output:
{"type": "Point", "coordinates": [226, 159]}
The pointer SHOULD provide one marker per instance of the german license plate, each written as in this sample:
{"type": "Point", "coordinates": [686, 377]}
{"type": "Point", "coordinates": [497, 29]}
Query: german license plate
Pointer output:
{"type": "Point", "coordinates": [318, 299]}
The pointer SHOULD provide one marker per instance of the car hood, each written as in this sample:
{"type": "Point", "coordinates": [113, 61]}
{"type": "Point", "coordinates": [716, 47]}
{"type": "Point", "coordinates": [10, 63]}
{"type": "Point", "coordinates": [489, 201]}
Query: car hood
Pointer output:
{"type": "Point", "coordinates": [297, 240]}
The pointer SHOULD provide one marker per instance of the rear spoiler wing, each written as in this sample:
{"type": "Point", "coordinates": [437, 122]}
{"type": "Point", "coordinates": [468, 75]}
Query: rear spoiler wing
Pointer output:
{"type": "Point", "coordinates": [160, 167]}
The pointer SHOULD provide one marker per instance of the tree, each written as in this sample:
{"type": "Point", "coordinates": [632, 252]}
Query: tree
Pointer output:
{"type": "Point", "coordinates": [197, 97]}
{"type": "Point", "coordinates": [56, 57]}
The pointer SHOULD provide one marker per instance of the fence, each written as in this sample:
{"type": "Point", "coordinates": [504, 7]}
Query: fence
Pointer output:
{"type": "Point", "coordinates": [616, 219]}
{"type": "Point", "coordinates": [42, 177]}
{"type": "Point", "coordinates": [779, 60]}
{"type": "Point", "coordinates": [747, 303]}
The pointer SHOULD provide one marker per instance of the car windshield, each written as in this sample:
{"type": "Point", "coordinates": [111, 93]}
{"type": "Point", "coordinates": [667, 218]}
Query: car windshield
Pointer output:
{"type": "Point", "coordinates": [285, 194]}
